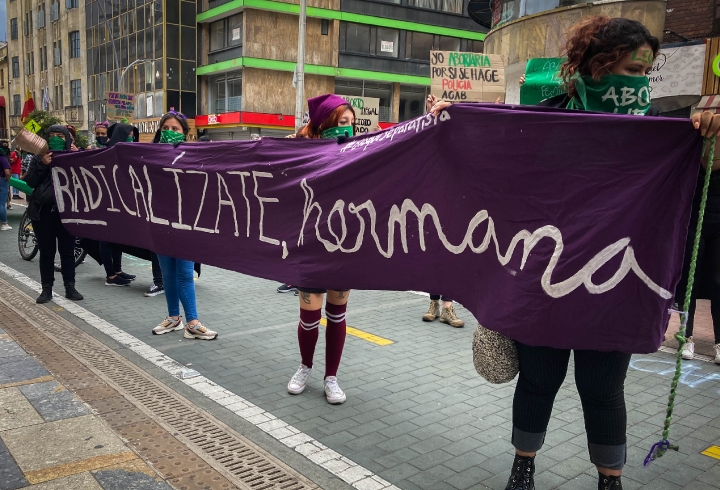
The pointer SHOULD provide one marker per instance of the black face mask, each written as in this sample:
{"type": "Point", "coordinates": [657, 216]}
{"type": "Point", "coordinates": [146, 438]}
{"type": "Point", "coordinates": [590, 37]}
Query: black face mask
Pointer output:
{"type": "Point", "coordinates": [102, 140]}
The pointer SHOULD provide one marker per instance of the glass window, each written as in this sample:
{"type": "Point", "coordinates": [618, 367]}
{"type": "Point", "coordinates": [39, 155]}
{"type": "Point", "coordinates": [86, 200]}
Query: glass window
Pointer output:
{"type": "Point", "coordinates": [159, 105]}
{"type": "Point", "coordinates": [187, 13]}
{"type": "Point", "coordinates": [140, 44]}
{"type": "Point", "coordinates": [357, 38]}
{"type": "Point", "coordinates": [16, 66]}
{"type": "Point", "coordinates": [71, 4]}
{"type": "Point", "coordinates": [172, 34]}
{"type": "Point", "coordinates": [57, 53]}
{"type": "Point", "coordinates": [418, 46]}
{"type": "Point", "coordinates": [16, 105]}
{"type": "Point", "coordinates": [412, 101]}
{"type": "Point", "coordinates": [172, 68]}
{"type": "Point", "coordinates": [188, 104]}
{"type": "Point", "coordinates": [226, 93]}
{"type": "Point", "coordinates": [158, 42]}
{"type": "Point", "coordinates": [75, 44]}
{"type": "Point", "coordinates": [187, 42]}
{"type": "Point", "coordinates": [386, 42]}
{"type": "Point", "coordinates": [235, 30]}
{"type": "Point", "coordinates": [75, 92]}
{"type": "Point", "coordinates": [149, 43]}
{"type": "Point", "coordinates": [444, 43]}
{"type": "Point", "coordinates": [157, 12]}
{"type": "Point", "coordinates": [188, 79]}
{"type": "Point", "coordinates": [59, 100]}
{"type": "Point", "coordinates": [217, 95]}
{"type": "Point", "coordinates": [173, 99]}
{"type": "Point", "coordinates": [382, 91]}
{"type": "Point", "coordinates": [535, 6]}
{"type": "Point", "coordinates": [217, 35]}
{"type": "Point", "coordinates": [132, 47]}
{"type": "Point", "coordinates": [475, 46]}
{"type": "Point", "coordinates": [172, 12]}
{"type": "Point", "coordinates": [453, 6]}
{"type": "Point", "coordinates": [13, 28]}
{"type": "Point", "coordinates": [223, 33]}
{"type": "Point", "coordinates": [349, 87]}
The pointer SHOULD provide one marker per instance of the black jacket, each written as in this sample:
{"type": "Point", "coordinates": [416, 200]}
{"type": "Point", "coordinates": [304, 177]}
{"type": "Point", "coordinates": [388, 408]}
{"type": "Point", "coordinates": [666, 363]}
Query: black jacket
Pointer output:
{"type": "Point", "coordinates": [39, 177]}
{"type": "Point", "coordinates": [119, 132]}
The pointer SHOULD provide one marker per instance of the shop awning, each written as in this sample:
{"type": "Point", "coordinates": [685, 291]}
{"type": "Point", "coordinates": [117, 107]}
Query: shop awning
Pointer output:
{"type": "Point", "coordinates": [708, 103]}
{"type": "Point", "coordinates": [2, 101]}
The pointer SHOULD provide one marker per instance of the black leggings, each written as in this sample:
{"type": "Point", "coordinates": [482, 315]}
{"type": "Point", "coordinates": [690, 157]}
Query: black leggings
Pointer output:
{"type": "Point", "coordinates": [708, 265]}
{"type": "Point", "coordinates": [437, 297]}
{"type": "Point", "coordinates": [111, 256]}
{"type": "Point", "coordinates": [600, 380]}
{"type": "Point", "coordinates": [52, 237]}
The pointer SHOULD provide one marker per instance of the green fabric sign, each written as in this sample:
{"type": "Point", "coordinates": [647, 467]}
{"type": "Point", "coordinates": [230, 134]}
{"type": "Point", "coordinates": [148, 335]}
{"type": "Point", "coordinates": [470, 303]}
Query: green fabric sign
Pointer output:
{"type": "Point", "coordinates": [542, 80]}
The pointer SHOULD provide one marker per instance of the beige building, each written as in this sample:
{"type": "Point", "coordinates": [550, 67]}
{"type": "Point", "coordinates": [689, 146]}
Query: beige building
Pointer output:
{"type": "Point", "coordinates": [46, 56]}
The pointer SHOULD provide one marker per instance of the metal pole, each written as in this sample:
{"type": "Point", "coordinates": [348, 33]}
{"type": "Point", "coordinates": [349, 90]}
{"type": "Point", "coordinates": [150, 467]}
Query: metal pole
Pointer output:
{"type": "Point", "coordinates": [300, 69]}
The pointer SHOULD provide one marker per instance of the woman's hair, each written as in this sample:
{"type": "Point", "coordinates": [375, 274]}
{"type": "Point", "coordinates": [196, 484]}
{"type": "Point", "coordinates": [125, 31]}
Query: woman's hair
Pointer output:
{"type": "Point", "coordinates": [179, 117]}
{"type": "Point", "coordinates": [331, 122]}
{"type": "Point", "coordinates": [597, 43]}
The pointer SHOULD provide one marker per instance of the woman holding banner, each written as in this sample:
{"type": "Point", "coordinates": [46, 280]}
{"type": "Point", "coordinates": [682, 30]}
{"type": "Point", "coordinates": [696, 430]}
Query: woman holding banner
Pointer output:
{"type": "Point", "coordinates": [330, 115]}
{"type": "Point", "coordinates": [604, 56]}
{"type": "Point", "coordinates": [177, 274]}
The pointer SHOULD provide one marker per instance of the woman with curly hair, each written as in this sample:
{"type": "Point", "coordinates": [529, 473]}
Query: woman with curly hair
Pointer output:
{"type": "Point", "coordinates": [327, 113]}
{"type": "Point", "coordinates": [608, 60]}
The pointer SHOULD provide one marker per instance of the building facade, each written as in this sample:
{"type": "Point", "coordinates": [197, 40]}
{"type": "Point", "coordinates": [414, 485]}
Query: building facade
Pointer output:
{"type": "Point", "coordinates": [379, 49]}
{"type": "Point", "coordinates": [46, 46]}
{"type": "Point", "coordinates": [4, 85]}
{"type": "Point", "coordinates": [144, 47]}
{"type": "Point", "coordinates": [688, 20]}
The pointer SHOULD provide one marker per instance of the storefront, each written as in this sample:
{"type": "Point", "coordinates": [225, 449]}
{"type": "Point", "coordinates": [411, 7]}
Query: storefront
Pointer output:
{"type": "Point", "coordinates": [245, 126]}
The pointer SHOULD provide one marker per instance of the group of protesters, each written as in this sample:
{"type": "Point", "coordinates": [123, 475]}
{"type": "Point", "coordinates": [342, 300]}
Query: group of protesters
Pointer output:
{"type": "Point", "coordinates": [601, 51]}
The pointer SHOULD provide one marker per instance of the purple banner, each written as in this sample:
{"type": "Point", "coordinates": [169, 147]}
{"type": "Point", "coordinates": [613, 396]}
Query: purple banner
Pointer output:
{"type": "Point", "coordinates": [554, 228]}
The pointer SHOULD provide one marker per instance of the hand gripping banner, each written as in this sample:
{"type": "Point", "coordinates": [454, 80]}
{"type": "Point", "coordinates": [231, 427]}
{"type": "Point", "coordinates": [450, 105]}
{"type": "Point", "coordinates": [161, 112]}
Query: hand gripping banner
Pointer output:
{"type": "Point", "coordinates": [555, 228]}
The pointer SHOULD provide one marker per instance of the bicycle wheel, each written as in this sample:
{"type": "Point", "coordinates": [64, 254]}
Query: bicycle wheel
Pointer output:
{"type": "Point", "coordinates": [80, 255]}
{"type": "Point", "coordinates": [27, 244]}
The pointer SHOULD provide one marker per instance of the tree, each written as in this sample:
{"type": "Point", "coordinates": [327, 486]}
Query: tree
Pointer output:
{"type": "Point", "coordinates": [45, 120]}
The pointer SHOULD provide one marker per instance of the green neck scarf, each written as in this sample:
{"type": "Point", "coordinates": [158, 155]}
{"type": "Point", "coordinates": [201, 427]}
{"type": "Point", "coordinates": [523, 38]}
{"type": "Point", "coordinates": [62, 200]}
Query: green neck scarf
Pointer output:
{"type": "Point", "coordinates": [337, 131]}
{"type": "Point", "coordinates": [615, 94]}
{"type": "Point", "coordinates": [172, 137]}
{"type": "Point", "coordinates": [56, 143]}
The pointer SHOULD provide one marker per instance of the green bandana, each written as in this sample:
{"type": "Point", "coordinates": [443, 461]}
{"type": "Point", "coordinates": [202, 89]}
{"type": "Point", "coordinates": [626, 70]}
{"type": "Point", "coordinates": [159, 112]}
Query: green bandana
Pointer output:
{"type": "Point", "coordinates": [616, 94]}
{"type": "Point", "coordinates": [337, 131]}
{"type": "Point", "coordinates": [129, 139]}
{"type": "Point", "coordinates": [172, 137]}
{"type": "Point", "coordinates": [56, 143]}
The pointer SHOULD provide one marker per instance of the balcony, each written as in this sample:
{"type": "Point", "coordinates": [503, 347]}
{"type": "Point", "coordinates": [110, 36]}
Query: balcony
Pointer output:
{"type": "Point", "coordinates": [59, 114]}
{"type": "Point", "coordinates": [74, 114]}
{"type": "Point", "coordinates": [15, 122]}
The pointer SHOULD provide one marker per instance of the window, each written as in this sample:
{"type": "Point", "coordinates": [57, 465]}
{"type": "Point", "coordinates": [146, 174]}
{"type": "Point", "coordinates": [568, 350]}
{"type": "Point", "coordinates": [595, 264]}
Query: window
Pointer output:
{"type": "Point", "coordinates": [419, 45]}
{"type": "Point", "coordinates": [75, 44]}
{"type": "Point", "coordinates": [226, 93]}
{"type": "Point", "coordinates": [16, 67]}
{"type": "Point", "coordinates": [357, 38]}
{"type": "Point", "coordinates": [475, 46]}
{"type": "Point", "coordinates": [75, 92]}
{"type": "Point", "coordinates": [13, 29]}
{"type": "Point", "coordinates": [32, 63]}
{"type": "Point", "coordinates": [2, 78]}
{"type": "Point", "coordinates": [27, 66]}
{"type": "Point", "coordinates": [364, 39]}
{"type": "Point", "coordinates": [226, 32]}
{"type": "Point", "coordinates": [42, 54]}
{"type": "Point", "coordinates": [41, 16]}
{"type": "Point", "coordinates": [386, 43]}
{"type": "Point", "coordinates": [59, 102]}
{"type": "Point", "coordinates": [57, 53]}
{"type": "Point", "coordinates": [71, 4]}
{"type": "Point", "coordinates": [452, 6]}
{"type": "Point", "coordinates": [54, 12]}
{"type": "Point", "coordinates": [17, 111]}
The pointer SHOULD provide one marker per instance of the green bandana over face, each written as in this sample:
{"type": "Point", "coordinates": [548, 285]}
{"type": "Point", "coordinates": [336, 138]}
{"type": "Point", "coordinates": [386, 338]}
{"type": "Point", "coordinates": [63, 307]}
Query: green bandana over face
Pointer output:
{"type": "Point", "coordinates": [616, 94]}
{"type": "Point", "coordinates": [171, 137]}
{"type": "Point", "coordinates": [56, 143]}
{"type": "Point", "coordinates": [337, 131]}
{"type": "Point", "coordinates": [129, 139]}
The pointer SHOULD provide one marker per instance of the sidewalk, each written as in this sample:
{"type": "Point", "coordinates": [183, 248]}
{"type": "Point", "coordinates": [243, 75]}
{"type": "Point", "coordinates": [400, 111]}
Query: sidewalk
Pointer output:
{"type": "Point", "coordinates": [50, 439]}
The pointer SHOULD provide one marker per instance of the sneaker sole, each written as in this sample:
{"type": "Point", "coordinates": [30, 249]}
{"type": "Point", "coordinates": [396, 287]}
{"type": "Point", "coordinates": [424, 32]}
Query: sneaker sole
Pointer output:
{"type": "Point", "coordinates": [295, 392]}
{"type": "Point", "coordinates": [448, 323]}
{"type": "Point", "coordinates": [689, 358]}
{"type": "Point", "coordinates": [288, 291]}
{"type": "Point", "coordinates": [117, 285]}
{"type": "Point", "coordinates": [168, 330]}
{"type": "Point", "coordinates": [428, 320]}
{"type": "Point", "coordinates": [152, 295]}
{"type": "Point", "coordinates": [336, 401]}
{"type": "Point", "coordinates": [199, 337]}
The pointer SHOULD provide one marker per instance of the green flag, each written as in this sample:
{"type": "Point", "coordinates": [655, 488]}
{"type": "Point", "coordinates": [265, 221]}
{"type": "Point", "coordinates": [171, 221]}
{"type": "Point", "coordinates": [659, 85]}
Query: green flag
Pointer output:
{"type": "Point", "coordinates": [542, 80]}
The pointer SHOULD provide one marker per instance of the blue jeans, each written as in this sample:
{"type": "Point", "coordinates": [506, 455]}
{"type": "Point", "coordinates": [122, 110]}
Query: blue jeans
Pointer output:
{"type": "Point", "coordinates": [4, 186]}
{"type": "Point", "coordinates": [14, 190]}
{"type": "Point", "coordinates": [178, 280]}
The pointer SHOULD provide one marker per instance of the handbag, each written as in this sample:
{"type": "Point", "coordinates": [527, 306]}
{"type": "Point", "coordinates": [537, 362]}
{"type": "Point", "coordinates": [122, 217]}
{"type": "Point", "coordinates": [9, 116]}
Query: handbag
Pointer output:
{"type": "Point", "coordinates": [495, 356]}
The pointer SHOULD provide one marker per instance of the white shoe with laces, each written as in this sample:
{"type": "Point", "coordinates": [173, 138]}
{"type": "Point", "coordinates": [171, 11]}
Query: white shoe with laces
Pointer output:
{"type": "Point", "coordinates": [333, 393]}
{"type": "Point", "coordinates": [299, 380]}
{"type": "Point", "coordinates": [717, 353]}
{"type": "Point", "coordinates": [6, 227]}
{"type": "Point", "coordinates": [688, 351]}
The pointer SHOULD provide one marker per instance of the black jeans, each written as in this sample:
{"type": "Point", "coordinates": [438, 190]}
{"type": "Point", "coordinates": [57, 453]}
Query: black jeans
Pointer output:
{"type": "Point", "coordinates": [156, 271]}
{"type": "Point", "coordinates": [437, 297]}
{"type": "Point", "coordinates": [52, 237]}
{"type": "Point", "coordinates": [111, 256]}
{"type": "Point", "coordinates": [708, 263]}
{"type": "Point", "coordinates": [600, 380]}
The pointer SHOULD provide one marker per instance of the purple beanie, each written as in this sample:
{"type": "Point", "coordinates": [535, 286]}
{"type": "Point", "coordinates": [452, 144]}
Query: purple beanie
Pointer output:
{"type": "Point", "coordinates": [322, 107]}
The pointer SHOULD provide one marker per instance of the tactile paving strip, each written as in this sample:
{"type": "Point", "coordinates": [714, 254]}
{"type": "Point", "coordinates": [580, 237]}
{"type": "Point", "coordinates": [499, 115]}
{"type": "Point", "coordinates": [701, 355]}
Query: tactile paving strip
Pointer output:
{"type": "Point", "coordinates": [235, 457]}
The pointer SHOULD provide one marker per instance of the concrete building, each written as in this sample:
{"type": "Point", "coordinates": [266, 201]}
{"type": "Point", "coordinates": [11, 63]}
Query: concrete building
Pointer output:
{"type": "Point", "coordinates": [46, 47]}
{"type": "Point", "coordinates": [4, 85]}
{"type": "Point", "coordinates": [159, 37]}
{"type": "Point", "coordinates": [380, 49]}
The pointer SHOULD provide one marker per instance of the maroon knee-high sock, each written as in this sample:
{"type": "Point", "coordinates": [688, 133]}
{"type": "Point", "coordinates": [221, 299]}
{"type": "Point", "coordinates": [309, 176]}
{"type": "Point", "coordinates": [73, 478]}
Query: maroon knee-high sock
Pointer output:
{"type": "Point", "coordinates": [334, 337]}
{"type": "Point", "coordinates": [308, 334]}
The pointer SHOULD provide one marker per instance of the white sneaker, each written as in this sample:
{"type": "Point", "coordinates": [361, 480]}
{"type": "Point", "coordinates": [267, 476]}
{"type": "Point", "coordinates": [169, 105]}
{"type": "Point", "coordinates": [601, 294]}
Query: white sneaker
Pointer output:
{"type": "Point", "coordinates": [688, 351]}
{"type": "Point", "coordinates": [299, 380]}
{"type": "Point", "coordinates": [5, 227]}
{"type": "Point", "coordinates": [333, 393]}
{"type": "Point", "coordinates": [717, 353]}
{"type": "Point", "coordinates": [168, 325]}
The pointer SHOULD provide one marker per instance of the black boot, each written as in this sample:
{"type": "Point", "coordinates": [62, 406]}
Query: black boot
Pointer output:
{"type": "Point", "coordinates": [521, 478]}
{"type": "Point", "coordinates": [46, 294]}
{"type": "Point", "coordinates": [71, 292]}
{"type": "Point", "coordinates": [609, 482]}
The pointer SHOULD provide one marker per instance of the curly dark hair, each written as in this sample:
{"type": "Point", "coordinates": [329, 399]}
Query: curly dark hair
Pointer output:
{"type": "Point", "coordinates": [597, 43]}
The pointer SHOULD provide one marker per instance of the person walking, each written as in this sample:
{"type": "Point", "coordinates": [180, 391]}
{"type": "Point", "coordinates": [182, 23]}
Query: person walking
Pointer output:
{"type": "Point", "coordinates": [178, 273]}
{"type": "Point", "coordinates": [327, 112]}
{"type": "Point", "coordinates": [447, 315]}
{"type": "Point", "coordinates": [51, 235]}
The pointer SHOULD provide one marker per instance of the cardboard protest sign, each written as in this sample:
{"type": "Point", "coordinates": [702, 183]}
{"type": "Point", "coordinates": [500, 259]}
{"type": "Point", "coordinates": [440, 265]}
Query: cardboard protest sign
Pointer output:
{"type": "Point", "coordinates": [120, 105]}
{"type": "Point", "coordinates": [542, 80]}
{"type": "Point", "coordinates": [367, 112]}
{"type": "Point", "coordinates": [467, 77]}
{"type": "Point", "coordinates": [678, 71]}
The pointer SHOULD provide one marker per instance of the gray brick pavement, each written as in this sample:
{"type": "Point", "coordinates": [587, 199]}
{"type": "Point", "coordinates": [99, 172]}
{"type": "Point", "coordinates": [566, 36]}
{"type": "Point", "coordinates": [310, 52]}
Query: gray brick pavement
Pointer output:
{"type": "Point", "coordinates": [417, 413]}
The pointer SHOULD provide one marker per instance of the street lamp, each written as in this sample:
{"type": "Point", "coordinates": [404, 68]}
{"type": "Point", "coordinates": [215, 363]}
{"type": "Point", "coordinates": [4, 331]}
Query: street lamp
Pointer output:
{"type": "Point", "coordinates": [130, 66]}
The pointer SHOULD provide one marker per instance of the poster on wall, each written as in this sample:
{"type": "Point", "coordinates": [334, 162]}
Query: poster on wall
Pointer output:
{"type": "Point", "coordinates": [120, 105]}
{"type": "Point", "coordinates": [367, 112]}
{"type": "Point", "coordinates": [678, 71]}
{"type": "Point", "coordinates": [467, 77]}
